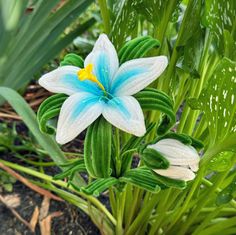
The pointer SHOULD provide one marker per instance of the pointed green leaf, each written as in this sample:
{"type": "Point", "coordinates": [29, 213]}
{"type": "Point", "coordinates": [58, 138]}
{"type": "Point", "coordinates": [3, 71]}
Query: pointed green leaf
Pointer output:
{"type": "Point", "coordinates": [49, 109]}
{"type": "Point", "coordinates": [154, 160]}
{"type": "Point", "coordinates": [226, 195]}
{"type": "Point", "coordinates": [99, 185]}
{"type": "Point", "coordinates": [168, 182]}
{"type": "Point", "coordinates": [98, 148]}
{"type": "Point", "coordinates": [143, 178]}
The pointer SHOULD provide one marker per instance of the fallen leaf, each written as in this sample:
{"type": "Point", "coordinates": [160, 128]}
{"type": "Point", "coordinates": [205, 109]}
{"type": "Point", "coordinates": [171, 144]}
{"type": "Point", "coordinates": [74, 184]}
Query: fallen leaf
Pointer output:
{"type": "Point", "coordinates": [11, 201]}
{"type": "Point", "coordinates": [44, 208]}
{"type": "Point", "coordinates": [34, 218]}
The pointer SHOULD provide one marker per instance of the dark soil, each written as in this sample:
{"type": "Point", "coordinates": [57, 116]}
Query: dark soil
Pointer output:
{"type": "Point", "coordinates": [72, 222]}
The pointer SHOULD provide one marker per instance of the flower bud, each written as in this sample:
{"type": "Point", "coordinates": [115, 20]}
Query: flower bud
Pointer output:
{"type": "Point", "coordinates": [183, 159]}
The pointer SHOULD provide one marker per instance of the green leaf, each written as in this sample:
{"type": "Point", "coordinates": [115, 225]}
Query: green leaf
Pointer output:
{"type": "Point", "coordinates": [8, 187]}
{"type": "Point", "coordinates": [170, 183]}
{"type": "Point", "coordinates": [152, 99]}
{"type": "Point", "coordinates": [143, 178]}
{"type": "Point", "coordinates": [185, 139]}
{"type": "Point", "coordinates": [72, 59]}
{"type": "Point", "coordinates": [78, 166]}
{"type": "Point", "coordinates": [97, 152]}
{"type": "Point", "coordinates": [226, 195]}
{"type": "Point", "coordinates": [49, 108]}
{"type": "Point", "coordinates": [191, 21]}
{"type": "Point", "coordinates": [99, 185]}
{"type": "Point", "coordinates": [192, 52]}
{"type": "Point", "coordinates": [154, 160]}
{"type": "Point", "coordinates": [137, 48]}
{"type": "Point", "coordinates": [221, 162]}
{"type": "Point", "coordinates": [229, 46]}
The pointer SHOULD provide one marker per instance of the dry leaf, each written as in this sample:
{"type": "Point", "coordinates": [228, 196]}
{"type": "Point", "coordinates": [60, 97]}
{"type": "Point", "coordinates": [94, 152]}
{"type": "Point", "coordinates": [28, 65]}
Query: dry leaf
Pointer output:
{"type": "Point", "coordinates": [34, 218]}
{"type": "Point", "coordinates": [44, 208]}
{"type": "Point", "coordinates": [11, 201]}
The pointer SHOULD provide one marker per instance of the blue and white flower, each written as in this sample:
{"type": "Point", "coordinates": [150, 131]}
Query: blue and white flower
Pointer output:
{"type": "Point", "coordinates": [102, 88]}
{"type": "Point", "coordinates": [183, 159]}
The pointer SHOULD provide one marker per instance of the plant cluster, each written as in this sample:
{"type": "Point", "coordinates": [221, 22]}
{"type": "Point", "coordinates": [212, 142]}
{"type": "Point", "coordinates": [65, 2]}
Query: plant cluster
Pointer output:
{"type": "Point", "coordinates": [162, 150]}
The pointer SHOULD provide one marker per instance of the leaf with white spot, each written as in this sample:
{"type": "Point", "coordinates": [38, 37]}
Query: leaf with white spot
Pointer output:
{"type": "Point", "coordinates": [219, 16]}
{"type": "Point", "coordinates": [218, 101]}
{"type": "Point", "coordinates": [155, 10]}
{"type": "Point", "coordinates": [125, 15]}
{"type": "Point", "coordinates": [124, 23]}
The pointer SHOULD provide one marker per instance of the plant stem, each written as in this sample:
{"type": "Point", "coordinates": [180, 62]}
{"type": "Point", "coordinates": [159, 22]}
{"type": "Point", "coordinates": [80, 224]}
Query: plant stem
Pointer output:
{"type": "Point", "coordinates": [201, 203]}
{"type": "Point", "coordinates": [105, 15]}
{"type": "Point", "coordinates": [143, 215]}
{"type": "Point", "coordinates": [166, 81]}
{"type": "Point", "coordinates": [188, 199]}
{"type": "Point", "coordinates": [162, 208]}
{"type": "Point", "coordinates": [120, 211]}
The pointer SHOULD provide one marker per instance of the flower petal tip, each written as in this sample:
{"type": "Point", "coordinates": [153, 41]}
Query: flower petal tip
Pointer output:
{"type": "Point", "coordinates": [162, 61]}
{"type": "Point", "coordinates": [60, 139]}
{"type": "Point", "coordinates": [139, 132]}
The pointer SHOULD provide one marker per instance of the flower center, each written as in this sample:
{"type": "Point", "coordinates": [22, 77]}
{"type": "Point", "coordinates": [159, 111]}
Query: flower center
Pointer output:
{"type": "Point", "coordinates": [87, 74]}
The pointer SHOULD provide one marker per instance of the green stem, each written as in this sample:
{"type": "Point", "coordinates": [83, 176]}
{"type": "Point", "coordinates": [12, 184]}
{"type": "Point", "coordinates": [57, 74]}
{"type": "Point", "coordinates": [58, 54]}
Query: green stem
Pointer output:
{"type": "Point", "coordinates": [133, 208]}
{"type": "Point", "coordinates": [221, 226]}
{"type": "Point", "coordinates": [201, 203]}
{"type": "Point", "coordinates": [207, 220]}
{"type": "Point", "coordinates": [143, 215]}
{"type": "Point", "coordinates": [105, 15]}
{"type": "Point", "coordinates": [166, 81]}
{"type": "Point", "coordinates": [162, 208]}
{"type": "Point", "coordinates": [120, 196]}
{"type": "Point", "coordinates": [188, 198]}
{"type": "Point", "coordinates": [117, 154]}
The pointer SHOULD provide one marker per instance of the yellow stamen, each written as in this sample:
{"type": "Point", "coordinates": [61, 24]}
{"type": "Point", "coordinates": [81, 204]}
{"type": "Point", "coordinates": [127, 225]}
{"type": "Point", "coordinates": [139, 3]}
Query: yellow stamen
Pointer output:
{"type": "Point", "coordinates": [86, 74]}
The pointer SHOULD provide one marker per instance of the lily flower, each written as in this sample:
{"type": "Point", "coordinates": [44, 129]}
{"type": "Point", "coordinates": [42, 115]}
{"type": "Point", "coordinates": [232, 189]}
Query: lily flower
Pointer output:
{"type": "Point", "coordinates": [102, 88]}
{"type": "Point", "coordinates": [183, 159]}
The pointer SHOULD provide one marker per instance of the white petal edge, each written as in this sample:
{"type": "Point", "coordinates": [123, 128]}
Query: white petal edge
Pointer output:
{"type": "Point", "coordinates": [153, 67]}
{"type": "Point", "coordinates": [104, 45]}
{"type": "Point", "coordinates": [68, 128]}
{"type": "Point", "coordinates": [177, 173]}
{"type": "Point", "coordinates": [52, 81]}
{"type": "Point", "coordinates": [134, 124]}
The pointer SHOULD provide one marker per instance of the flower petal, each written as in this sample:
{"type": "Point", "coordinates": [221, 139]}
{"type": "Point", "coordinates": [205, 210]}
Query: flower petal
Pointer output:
{"type": "Point", "coordinates": [104, 59]}
{"type": "Point", "coordinates": [76, 114]}
{"type": "Point", "coordinates": [126, 114]}
{"type": "Point", "coordinates": [134, 75]}
{"type": "Point", "coordinates": [177, 153]}
{"type": "Point", "coordinates": [176, 172]}
{"type": "Point", "coordinates": [65, 80]}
